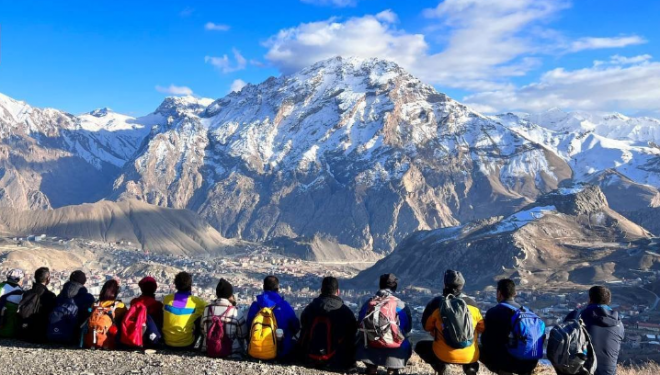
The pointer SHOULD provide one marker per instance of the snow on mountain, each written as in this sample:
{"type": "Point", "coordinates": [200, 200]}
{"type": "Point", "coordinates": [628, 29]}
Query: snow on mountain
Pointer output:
{"type": "Point", "coordinates": [358, 151]}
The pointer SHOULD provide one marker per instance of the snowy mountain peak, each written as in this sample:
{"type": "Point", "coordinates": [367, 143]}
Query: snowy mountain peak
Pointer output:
{"type": "Point", "coordinates": [100, 112]}
{"type": "Point", "coordinates": [180, 105]}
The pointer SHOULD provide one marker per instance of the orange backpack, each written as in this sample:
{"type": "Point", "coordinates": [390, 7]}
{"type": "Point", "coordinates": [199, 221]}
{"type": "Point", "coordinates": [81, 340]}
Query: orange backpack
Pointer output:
{"type": "Point", "coordinates": [100, 331]}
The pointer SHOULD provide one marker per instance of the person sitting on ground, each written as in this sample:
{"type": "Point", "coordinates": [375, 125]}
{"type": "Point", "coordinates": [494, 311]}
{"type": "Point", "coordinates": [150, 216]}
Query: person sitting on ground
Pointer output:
{"type": "Point", "coordinates": [148, 287]}
{"type": "Point", "coordinates": [36, 305]}
{"type": "Point", "coordinates": [495, 339]}
{"type": "Point", "coordinates": [83, 299]}
{"type": "Point", "coordinates": [182, 314]}
{"type": "Point", "coordinates": [233, 323]}
{"type": "Point", "coordinates": [108, 298]}
{"type": "Point", "coordinates": [442, 351]}
{"type": "Point", "coordinates": [389, 348]}
{"type": "Point", "coordinates": [11, 293]}
{"type": "Point", "coordinates": [262, 344]}
{"type": "Point", "coordinates": [605, 328]}
{"type": "Point", "coordinates": [99, 332]}
{"type": "Point", "coordinates": [328, 330]}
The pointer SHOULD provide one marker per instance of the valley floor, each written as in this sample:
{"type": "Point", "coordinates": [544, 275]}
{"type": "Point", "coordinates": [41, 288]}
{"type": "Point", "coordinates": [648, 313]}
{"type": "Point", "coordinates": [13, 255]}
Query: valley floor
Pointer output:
{"type": "Point", "coordinates": [26, 359]}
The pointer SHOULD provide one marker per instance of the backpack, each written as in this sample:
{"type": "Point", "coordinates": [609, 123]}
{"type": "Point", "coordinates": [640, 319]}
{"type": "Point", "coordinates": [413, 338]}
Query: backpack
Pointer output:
{"type": "Point", "coordinates": [28, 310]}
{"type": "Point", "coordinates": [218, 343]}
{"type": "Point", "coordinates": [380, 324]}
{"type": "Point", "coordinates": [62, 322]}
{"type": "Point", "coordinates": [320, 347]}
{"type": "Point", "coordinates": [527, 334]}
{"type": "Point", "coordinates": [134, 326]}
{"type": "Point", "coordinates": [100, 331]}
{"type": "Point", "coordinates": [457, 323]}
{"type": "Point", "coordinates": [263, 341]}
{"type": "Point", "coordinates": [9, 315]}
{"type": "Point", "coordinates": [570, 349]}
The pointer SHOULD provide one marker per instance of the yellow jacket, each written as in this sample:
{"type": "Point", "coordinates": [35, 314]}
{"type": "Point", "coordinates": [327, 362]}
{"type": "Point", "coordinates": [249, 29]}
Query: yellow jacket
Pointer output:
{"type": "Point", "coordinates": [445, 352]}
{"type": "Point", "coordinates": [180, 311]}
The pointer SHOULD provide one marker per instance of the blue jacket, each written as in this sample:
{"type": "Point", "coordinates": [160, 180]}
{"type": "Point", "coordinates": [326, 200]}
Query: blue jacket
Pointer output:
{"type": "Point", "coordinates": [285, 316]}
{"type": "Point", "coordinates": [607, 333]}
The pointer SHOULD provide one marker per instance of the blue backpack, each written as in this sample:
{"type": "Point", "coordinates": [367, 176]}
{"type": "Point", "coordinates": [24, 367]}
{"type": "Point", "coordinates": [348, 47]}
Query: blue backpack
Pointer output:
{"type": "Point", "coordinates": [527, 334]}
{"type": "Point", "coordinates": [62, 322]}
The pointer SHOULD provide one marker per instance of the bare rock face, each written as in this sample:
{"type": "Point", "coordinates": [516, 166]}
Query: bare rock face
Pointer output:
{"type": "Point", "coordinates": [358, 151]}
{"type": "Point", "coordinates": [569, 236]}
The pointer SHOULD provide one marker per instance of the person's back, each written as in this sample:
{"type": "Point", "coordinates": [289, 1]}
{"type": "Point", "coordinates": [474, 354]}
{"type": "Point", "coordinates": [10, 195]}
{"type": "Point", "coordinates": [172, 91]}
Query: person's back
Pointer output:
{"type": "Point", "coordinates": [495, 339]}
{"type": "Point", "coordinates": [83, 299]}
{"type": "Point", "coordinates": [182, 312]}
{"type": "Point", "coordinates": [35, 307]}
{"type": "Point", "coordinates": [233, 321]}
{"type": "Point", "coordinates": [605, 328]}
{"type": "Point", "coordinates": [148, 287]}
{"type": "Point", "coordinates": [64, 320]}
{"type": "Point", "coordinates": [284, 314]}
{"type": "Point", "coordinates": [392, 358]}
{"type": "Point", "coordinates": [11, 294]}
{"type": "Point", "coordinates": [327, 315]}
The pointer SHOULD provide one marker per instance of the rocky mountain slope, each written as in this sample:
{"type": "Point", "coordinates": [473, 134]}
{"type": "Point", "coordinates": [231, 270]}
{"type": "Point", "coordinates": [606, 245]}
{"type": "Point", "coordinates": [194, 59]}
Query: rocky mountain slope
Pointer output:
{"type": "Point", "coordinates": [358, 151]}
{"type": "Point", "coordinates": [567, 236]}
{"type": "Point", "coordinates": [152, 228]}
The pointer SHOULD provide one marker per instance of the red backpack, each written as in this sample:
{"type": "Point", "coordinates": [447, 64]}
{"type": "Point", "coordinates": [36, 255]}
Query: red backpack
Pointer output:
{"type": "Point", "coordinates": [134, 325]}
{"type": "Point", "coordinates": [380, 325]}
{"type": "Point", "coordinates": [218, 344]}
{"type": "Point", "coordinates": [319, 345]}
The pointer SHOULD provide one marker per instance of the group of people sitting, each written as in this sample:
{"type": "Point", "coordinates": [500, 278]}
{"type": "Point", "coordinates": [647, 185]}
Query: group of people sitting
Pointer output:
{"type": "Point", "coordinates": [510, 340]}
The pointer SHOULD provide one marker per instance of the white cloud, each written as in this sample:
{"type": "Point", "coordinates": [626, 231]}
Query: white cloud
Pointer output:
{"type": "Point", "coordinates": [216, 27]}
{"type": "Point", "coordinates": [591, 43]}
{"type": "Point", "coordinates": [174, 90]}
{"type": "Point", "coordinates": [387, 16]}
{"type": "Point", "coordinates": [224, 63]}
{"type": "Point", "coordinates": [237, 85]}
{"type": "Point", "coordinates": [336, 3]}
{"type": "Point", "coordinates": [621, 84]}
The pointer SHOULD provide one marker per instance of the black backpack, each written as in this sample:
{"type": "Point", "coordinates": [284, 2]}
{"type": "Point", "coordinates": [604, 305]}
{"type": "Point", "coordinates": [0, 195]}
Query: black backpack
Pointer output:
{"type": "Point", "coordinates": [63, 322]}
{"type": "Point", "coordinates": [320, 342]}
{"type": "Point", "coordinates": [570, 349]}
{"type": "Point", "coordinates": [31, 323]}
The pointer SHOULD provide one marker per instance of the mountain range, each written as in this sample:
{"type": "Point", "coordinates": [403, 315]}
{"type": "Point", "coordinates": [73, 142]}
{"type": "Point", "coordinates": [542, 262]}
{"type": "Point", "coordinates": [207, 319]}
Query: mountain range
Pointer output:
{"type": "Point", "coordinates": [356, 152]}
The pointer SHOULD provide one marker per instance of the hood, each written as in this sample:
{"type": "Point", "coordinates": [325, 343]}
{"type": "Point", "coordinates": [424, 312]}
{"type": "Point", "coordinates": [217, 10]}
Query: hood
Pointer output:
{"type": "Point", "coordinates": [70, 289]}
{"type": "Point", "coordinates": [269, 299]}
{"type": "Point", "coordinates": [601, 315]}
{"type": "Point", "coordinates": [384, 293]}
{"type": "Point", "coordinates": [329, 302]}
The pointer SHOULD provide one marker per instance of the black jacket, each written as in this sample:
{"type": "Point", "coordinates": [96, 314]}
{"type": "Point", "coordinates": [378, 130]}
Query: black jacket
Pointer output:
{"type": "Point", "coordinates": [607, 333]}
{"type": "Point", "coordinates": [83, 299]}
{"type": "Point", "coordinates": [39, 321]}
{"type": "Point", "coordinates": [494, 341]}
{"type": "Point", "coordinates": [434, 304]}
{"type": "Point", "coordinates": [343, 323]}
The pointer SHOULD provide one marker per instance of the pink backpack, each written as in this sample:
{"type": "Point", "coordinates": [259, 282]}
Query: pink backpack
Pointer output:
{"type": "Point", "coordinates": [380, 325]}
{"type": "Point", "coordinates": [218, 344]}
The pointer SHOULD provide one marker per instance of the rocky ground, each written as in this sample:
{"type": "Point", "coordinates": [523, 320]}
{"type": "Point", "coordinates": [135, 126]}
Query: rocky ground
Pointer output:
{"type": "Point", "coordinates": [27, 359]}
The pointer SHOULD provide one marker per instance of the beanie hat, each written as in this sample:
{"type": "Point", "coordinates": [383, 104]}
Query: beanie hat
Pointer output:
{"type": "Point", "coordinates": [388, 281]}
{"type": "Point", "coordinates": [15, 275]}
{"type": "Point", "coordinates": [224, 289]}
{"type": "Point", "coordinates": [148, 285]}
{"type": "Point", "coordinates": [79, 277]}
{"type": "Point", "coordinates": [454, 278]}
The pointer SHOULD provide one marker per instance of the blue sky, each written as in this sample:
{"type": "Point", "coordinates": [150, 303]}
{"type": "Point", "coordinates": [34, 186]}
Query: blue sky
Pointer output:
{"type": "Point", "coordinates": [497, 55]}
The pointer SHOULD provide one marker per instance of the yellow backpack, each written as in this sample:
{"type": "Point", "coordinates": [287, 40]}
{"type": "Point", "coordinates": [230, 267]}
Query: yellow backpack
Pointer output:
{"type": "Point", "coordinates": [263, 341]}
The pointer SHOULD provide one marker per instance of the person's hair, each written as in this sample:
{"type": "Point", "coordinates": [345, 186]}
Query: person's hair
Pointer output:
{"type": "Point", "coordinates": [329, 285]}
{"type": "Point", "coordinates": [183, 282]}
{"type": "Point", "coordinates": [600, 295]}
{"type": "Point", "coordinates": [507, 288]}
{"type": "Point", "coordinates": [41, 275]}
{"type": "Point", "coordinates": [79, 277]}
{"type": "Point", "coordinates": [109, 291]}
{"type": "Point", "coordinates": [452, 289]}
{"type": "Point", "coordinates": [388, 281]}
{"type": "Point", "coordinates": [272, 283]}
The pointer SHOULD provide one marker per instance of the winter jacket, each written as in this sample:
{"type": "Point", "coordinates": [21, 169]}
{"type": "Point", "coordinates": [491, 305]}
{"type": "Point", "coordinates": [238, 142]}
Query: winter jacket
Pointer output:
{"type": "Point", "coordinates": [154, 308]}
{"type": "Point", "coordinates": [67, 321]}
{"type": "Point", "coordinates": [344, 327]}
{"type": "Point", "coordinates": [35, 330]}
{"type": "Point", "coordinates": [181, 311]}
{"type": "Point", "coordinates": [495, 339]}
{"type": "Point", "coordinates": [10, 296]}
{"type": "Point", "coordinates": [396, 358]}
{"type": "Point", "coordinates": [434, 304]}
{"type": "Point", "coordinates": [82, 298]}
{"type": "Point", "coordinates": [446, 353]}
{"type": "Point", "coordinates": [607, 333]}
{"type": "Point", "coordinates": [9, 287]}
{"type": "Point", "coordinates": [235, 325]}
{"type": "Point", "coordinates": [285, 317]}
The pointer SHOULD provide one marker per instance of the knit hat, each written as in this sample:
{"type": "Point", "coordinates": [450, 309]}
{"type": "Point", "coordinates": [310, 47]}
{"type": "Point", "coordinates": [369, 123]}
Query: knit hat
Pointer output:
{"type": "Point", "coordinates": [388, 281]}
{"type": "Point", "coordinates": [148, 285]}
{"type": "Point", "coordinates": [15, 275]}
{"type": "Point", "coordinates": [78, 277]}
{"type": "Point", "coordinates": [224, 289]}
{"type": "Point", "coordinates": [454, 278]}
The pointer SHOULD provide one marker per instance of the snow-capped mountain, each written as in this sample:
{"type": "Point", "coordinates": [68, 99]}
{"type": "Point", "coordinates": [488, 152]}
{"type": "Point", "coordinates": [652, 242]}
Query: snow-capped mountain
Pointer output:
{"type": "Point", "coordinates": [358, 151]}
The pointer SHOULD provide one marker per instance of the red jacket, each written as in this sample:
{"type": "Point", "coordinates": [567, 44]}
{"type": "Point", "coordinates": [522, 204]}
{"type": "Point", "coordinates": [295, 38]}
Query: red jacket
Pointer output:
{"type": "Point", "coordinates": [154, 308]}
